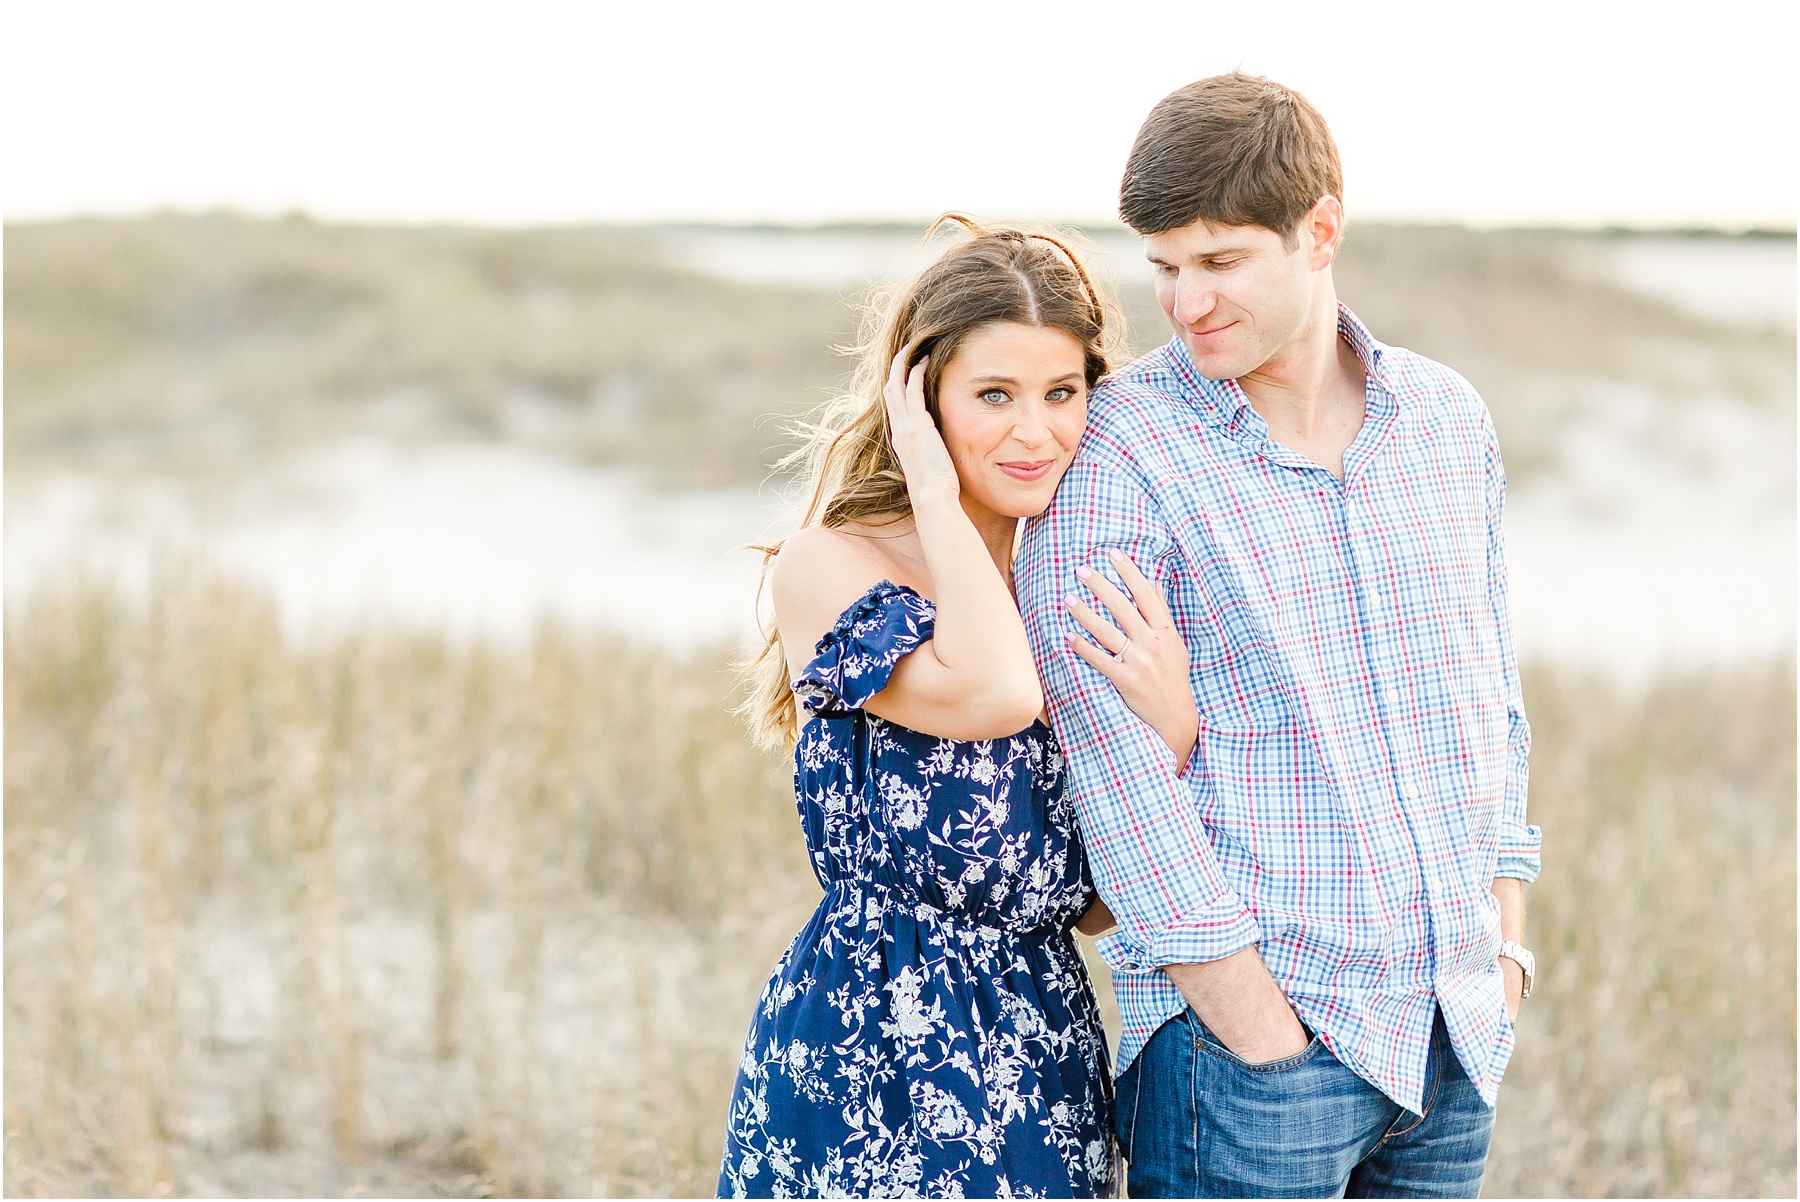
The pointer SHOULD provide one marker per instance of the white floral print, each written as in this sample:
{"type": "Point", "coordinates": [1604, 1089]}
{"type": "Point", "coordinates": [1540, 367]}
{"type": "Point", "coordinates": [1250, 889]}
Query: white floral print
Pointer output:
{"type": "Point", "coordinates": [931, 1031]}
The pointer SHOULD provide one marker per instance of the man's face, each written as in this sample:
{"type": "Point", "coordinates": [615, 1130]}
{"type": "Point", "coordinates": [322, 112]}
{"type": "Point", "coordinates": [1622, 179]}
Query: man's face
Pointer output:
{"type": "Point", "coordinates": [1237, 295]}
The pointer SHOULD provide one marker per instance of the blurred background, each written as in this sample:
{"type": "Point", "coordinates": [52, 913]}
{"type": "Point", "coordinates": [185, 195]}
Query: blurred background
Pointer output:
{"type": "Point", "coordinates": [389, 388]}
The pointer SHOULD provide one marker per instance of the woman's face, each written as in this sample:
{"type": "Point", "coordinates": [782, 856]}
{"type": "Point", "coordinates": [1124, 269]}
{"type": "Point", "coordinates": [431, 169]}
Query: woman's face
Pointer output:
{"type": "Point", "coordinates": [1012, 405]}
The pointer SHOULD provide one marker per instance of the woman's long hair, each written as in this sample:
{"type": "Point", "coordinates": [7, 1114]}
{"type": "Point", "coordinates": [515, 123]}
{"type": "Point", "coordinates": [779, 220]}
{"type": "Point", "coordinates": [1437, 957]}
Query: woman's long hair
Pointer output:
{"type": "Point", "coordinates": [850, 473]}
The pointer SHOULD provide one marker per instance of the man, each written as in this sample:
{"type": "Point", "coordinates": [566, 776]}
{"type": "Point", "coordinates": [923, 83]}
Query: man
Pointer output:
{"type": "Point", "coordinates": [1320, 912]}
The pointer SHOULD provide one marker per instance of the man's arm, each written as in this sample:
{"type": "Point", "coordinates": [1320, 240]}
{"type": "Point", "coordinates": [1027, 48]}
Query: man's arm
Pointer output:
{"type": "Point", "coordinates": [1510, 893]}
{"type": "Point", "coordinates": [1149, 854]}
{"type": "Point", "coordinates": [1520, 843]}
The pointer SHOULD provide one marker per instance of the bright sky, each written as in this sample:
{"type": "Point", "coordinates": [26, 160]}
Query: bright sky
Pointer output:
{"type": "Point", "coordinates": [525, 112]}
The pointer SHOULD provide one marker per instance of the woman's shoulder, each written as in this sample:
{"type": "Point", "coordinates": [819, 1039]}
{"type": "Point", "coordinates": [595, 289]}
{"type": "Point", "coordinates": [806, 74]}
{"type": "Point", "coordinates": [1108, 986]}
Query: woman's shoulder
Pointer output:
{"type": "Point", "coordinates": [817, 576]}
{"type": "Point", "coordinates": [817, 565]}
{"type": "Point", "coordinates": [813, 547]}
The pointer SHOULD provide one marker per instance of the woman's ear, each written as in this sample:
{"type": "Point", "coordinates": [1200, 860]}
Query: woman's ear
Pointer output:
{"type": "Point", "coordinates": [934, 372]}
{"type": "Point", "coordinates": [931, 401]}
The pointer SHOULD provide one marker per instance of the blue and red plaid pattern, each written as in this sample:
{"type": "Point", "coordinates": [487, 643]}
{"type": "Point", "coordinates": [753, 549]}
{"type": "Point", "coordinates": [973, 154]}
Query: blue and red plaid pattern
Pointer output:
{"type": "Point", "coordinates": [1359, 779]}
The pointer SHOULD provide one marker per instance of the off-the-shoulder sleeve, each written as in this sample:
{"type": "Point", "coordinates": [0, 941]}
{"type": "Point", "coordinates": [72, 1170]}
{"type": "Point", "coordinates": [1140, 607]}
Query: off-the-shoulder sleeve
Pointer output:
{"type": "Point", "coordinates": [853, 661]}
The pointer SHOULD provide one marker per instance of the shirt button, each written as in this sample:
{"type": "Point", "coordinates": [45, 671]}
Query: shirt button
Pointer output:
{"type": "Point", "coordinates": [1392, 696]}
{"type": "Point", "coordinates": [1410, 793]}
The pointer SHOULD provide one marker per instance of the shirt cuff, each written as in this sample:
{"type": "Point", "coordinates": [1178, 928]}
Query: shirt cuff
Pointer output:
{"type": "Point", "coordinates": [1227, 928]}
{"type": "Point", "coordinates": [1121, 952]}
{"type": "Point", "coordinates": [1521, 855]}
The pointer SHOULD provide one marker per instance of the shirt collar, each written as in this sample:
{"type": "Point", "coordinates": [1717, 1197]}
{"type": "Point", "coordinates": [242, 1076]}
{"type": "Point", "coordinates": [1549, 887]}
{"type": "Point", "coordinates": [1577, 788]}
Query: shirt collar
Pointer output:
{"type": "Point", "coordinates": [1353, 331]}
{"type": "Point", "coordinates": [1226, 402]}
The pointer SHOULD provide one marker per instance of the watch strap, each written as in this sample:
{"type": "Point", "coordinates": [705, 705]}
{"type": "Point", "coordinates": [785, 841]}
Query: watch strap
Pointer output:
{"type": "Point", "coordinates": [1521, 955]}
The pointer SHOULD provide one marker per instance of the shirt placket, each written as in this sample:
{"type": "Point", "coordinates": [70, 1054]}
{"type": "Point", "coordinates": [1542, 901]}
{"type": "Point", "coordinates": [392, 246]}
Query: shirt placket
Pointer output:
{"type": "Point", "coordinates": [1398, 788]}
{"type": "Point", "coordinates": [1385, 801]}
{"type": "Point", "coordinates": [1372, 697]}
{"type": "Point", "coordinates": [1408, 785]}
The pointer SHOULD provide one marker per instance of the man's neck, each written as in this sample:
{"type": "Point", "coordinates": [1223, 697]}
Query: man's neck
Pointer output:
{"type": "Point", "coordinates": [1298, 380]}
{"type": "Point", "coordinates": [1311, 394]}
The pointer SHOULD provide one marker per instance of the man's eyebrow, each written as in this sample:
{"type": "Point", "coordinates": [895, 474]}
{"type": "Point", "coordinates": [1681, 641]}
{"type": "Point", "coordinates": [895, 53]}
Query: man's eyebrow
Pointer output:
{"type": "Point", "coordinates": [1202, 256]}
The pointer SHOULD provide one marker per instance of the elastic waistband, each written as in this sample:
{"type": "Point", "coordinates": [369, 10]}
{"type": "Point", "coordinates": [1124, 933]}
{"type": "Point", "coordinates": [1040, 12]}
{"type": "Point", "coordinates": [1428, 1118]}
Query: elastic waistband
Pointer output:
{"type": "Point", "coordinates": [921, 910]}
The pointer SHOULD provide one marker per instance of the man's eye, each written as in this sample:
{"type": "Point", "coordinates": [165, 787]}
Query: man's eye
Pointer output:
{"type": "Point", "coordinates": [995, 396]}
{"type": "Point", "coordinates": [1163, 269]}
{"type": "Point", "coordinates": [1224, 264]}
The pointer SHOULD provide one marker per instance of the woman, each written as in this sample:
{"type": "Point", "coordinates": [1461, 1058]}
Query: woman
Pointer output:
{"type": "Point", "coordinates": [932, 1030]}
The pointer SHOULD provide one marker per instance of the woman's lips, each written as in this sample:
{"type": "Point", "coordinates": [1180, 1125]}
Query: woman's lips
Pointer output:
{"type": "Point", "coordinates": [1028, 469]}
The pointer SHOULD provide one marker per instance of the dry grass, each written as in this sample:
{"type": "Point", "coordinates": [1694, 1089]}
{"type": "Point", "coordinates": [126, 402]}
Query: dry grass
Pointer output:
{"type": "Point", "coordinates": [196, 341]}
{"type": "Point", "coordinates": [1546, 347]}
{"type": "Point", "coordinates": [1658, 1058]}
{"type": "Point", "coordinates": [391, 915]}
{"type": "Point", "coordinates": [381, 914]}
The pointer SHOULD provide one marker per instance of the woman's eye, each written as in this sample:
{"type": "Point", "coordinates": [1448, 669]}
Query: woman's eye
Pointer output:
{"type": "Point", "coordinates": [995, 396]}
{"type": "Point", "coordinates": [1059, 394]}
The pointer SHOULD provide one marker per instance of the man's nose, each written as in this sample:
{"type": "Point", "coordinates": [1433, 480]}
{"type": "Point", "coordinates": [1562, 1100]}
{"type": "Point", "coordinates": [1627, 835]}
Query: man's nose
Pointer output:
{"type": "Point", "coordinates": [1194, 297]}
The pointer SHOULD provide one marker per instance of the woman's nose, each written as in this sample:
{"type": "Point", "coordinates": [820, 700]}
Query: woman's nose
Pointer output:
{"type": "Point", "coordinates": [1032, 426]}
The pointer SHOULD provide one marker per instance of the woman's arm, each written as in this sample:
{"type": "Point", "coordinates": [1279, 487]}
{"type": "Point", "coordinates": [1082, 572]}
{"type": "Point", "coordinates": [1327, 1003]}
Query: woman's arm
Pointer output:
{"type": "Point", "coordinates": [1151, 674]}
{"type": "Point", "coordinates": [1144, 655]}
{"type": "Point", "coordinates": [975, 678]}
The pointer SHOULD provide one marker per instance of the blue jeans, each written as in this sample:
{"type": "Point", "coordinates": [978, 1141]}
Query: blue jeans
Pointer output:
{"type": "Point", "coordinates": [1195, 1121]}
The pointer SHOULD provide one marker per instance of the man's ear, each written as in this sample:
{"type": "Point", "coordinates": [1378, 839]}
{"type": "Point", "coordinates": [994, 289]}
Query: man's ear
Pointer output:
{"type": "Point", "coordinates": [1325, 222]}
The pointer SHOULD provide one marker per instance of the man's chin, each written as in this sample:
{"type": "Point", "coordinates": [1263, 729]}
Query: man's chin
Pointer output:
{"type": "Point", "coordinates": [1219, 364]}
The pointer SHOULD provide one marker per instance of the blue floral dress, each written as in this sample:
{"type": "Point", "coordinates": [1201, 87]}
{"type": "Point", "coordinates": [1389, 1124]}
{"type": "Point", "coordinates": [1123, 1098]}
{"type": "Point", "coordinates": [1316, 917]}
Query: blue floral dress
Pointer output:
{"type": "Point", "coordinates": [931, 1030]}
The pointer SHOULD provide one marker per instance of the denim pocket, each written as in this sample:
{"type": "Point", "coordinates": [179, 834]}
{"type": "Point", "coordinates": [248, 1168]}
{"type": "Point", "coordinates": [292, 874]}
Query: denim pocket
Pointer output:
{"type": "Point", "coordinates": [1209, 1043]}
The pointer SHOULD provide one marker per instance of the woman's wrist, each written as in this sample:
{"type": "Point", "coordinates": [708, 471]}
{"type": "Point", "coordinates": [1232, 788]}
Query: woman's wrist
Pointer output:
{"type": "Point", "coordinates": [1182, 739]}
{"type": "Point", "coordinates": [937, 503]}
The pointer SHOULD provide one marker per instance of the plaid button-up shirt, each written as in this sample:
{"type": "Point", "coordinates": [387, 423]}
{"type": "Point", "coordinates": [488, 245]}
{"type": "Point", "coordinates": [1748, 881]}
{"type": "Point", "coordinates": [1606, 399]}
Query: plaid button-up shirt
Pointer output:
{"type": "Point", "coordinates": [1359, 779]}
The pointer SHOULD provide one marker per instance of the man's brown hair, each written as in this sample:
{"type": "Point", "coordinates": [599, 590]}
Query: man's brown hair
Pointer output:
{"type": "Point", "coordinates": [1229, 150]}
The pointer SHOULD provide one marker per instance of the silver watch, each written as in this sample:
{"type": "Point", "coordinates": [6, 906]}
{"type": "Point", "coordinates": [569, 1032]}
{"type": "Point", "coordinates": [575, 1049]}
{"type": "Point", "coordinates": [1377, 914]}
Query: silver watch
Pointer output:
{"type": "Point", "coordinates": [1521, 955]}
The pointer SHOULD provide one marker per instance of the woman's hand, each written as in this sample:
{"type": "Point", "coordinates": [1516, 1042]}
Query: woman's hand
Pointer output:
{"type": "Point", "coordinates": [1143, 655]}
{"type": "Point", "coordinates": [915, 438]}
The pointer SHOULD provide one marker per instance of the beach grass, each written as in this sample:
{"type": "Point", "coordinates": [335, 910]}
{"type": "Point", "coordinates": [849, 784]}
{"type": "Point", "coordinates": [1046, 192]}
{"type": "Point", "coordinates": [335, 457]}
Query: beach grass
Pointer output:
{"type": "Point", "coordinates": [384, 913]}
{"type": "Point", "coordinates": [198, 342]}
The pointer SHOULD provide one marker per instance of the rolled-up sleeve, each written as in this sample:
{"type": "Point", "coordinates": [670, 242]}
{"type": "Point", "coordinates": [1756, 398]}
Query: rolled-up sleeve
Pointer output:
{"type": "Point", "coordinates": [1149, 853]}
{"type": "Point", "coordinates": [1521, 844]}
